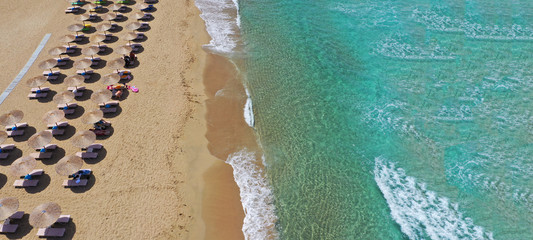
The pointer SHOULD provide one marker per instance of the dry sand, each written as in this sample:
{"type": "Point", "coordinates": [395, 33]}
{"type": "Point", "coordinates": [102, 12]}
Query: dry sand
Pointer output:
{"type": "Point", "coordinates": [155, 179]}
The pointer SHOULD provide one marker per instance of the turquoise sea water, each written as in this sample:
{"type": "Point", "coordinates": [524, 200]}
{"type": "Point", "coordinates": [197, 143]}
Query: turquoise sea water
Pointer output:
{"type": "Point", "coordinates": [393, 119]}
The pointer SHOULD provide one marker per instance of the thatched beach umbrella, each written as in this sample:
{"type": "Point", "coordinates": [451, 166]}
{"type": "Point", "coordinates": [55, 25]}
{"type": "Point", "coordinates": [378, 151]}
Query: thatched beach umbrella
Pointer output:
{"type": "Point", "coordinates": [83, 64]}
{"type": "Point", "coordinates": [109, 17]}
{"type": "Point", "coordinates": [110, 79]}
{"type": "Point", "coordinates": [83, 139]}
{"type": "Point", "coordinates": [129, 36]}
{"type": "Point", "coordinates": [22, 166]}
{"type": "Point", "coordinates": [8, 206]}
{"type": "Point", "coordinates": [116, 64]}
{"type": "Point", "coordinates": [98, 38]}
{"type": "Point", "coordinates": [75, 28]}
{"type": "Point", "coordinates": [133, 26]}
{"type": "Point", "coordinates": [125, 49]}
{"type": "Point", "coordinates": [101, 96]}
{"type": "Point", "coordinates": [64, 97]}
{"type": "Point", "coordinates": [40, 139]}
{"type": "Point", "coordinates": [84, 17]}
{"type": "Point", "coordinates": [48, 64]}
{"type": "Point", "coordinates": [92, 116]}
{"type": "Point", "coordinates": [90, 51]}
{"type": "Point", "coordinates": [68, 165]}
{"type": "Point", "coordinates": [89, 6]}
{"type": "Point", "coordinates": [3, 137]}
{"type": "Point", "coordinates": [74, 80]}
{"type": "Point", "coordinates": [114, 7]}
{"type": "Point", "coordinates": [45, 215]}
{"type": "Point", "coordinates": [142, 6]}
{"type": "Point", "coordinates": [53, 116]}
{"type": "Point", "coordinates": [67, 39]}
{"type": "Point", "coordinates": [11, 118]}
{"type": "Point", "coordinates": [36, 82]}
{"type": "Point", "coordinates": [57, 51]}
{"type": "Point", "coordinates": [138, 15]}
{"type": "Point", "coordinates": [103, 27]}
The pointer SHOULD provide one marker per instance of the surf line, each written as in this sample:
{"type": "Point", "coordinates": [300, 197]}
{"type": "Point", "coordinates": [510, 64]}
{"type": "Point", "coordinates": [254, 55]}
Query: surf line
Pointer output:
{"type": "Point", "coordinates": [22, 72]}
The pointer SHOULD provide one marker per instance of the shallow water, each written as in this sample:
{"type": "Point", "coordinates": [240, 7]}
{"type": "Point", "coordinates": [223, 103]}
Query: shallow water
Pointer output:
{"type": "Point", "coordinates": [391, 119]}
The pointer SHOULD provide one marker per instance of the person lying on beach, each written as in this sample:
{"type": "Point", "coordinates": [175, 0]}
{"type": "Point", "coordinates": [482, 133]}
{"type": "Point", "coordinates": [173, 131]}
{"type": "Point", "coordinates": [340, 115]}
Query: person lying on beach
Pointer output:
{"type": "Point", "coordinates": [100, 125]}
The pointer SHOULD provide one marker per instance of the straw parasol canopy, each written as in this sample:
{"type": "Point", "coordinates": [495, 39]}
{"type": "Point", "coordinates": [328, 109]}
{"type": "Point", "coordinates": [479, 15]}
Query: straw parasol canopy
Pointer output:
{"type": "Point", "coordinates": [83, 139]}
{"type": "Point", "coordinates": [11, 118]}
{"type": "Point", "coordinates": [125, 49]}
{"type": "Point", "coordinates": [89, 6]}
{"type": "Point", "coordinates": [74, 80]}
{"type": "Point", "coordinates": [75, 28]}
{"type": "Point", "coordinates": [83, 64]}
{"type": "Point", "coordinates": [101, 96]}
{"type": "Point", "coordinates": [98, 38]}
{"type": "Point", "coordinates": [48, 64]}
{"type": "Point", "coordinates": [114, 7]}
{"type": "Point", "coordinates": [142, 6]}
{"type": "Point", "coordinates": [67, 39]}
{"type": "Point", "coordinates": [110, 79]}
{"type": "Point", "coordinates": [57, 51]}
{"type": "Point", "coordinates": [84, 17]}
{"type": "Point", "coordinates": [129, 36]}
{"type": "Point", "coordinates": [109, 16]}
{"type": "Point", "coordinates": [90, 51]}
{"type": "Point", "coordinates": [92, 116]}
{"type": "Point", "coordinates": [22, 166]}
{"type": "Point", "coordinates": [103, 27]}
{"type": "Point", "coordinates": [53, 116]}
{"type": "Point", "coordinates": [68, 165]}
{"type": "Point", "coordinates": [36, 81]}
{"type": "Point", "coordinates": [3, 136]}
{"type": "Point", "coordinates": [45, 215]}
{"type": "Point", "coordinates": [133, 26]}
{"type": "Point", "coordinates": [8, 206]}
{"type": "Point", "coordinates": [64, 97]}
{"type": "Point", "coordinates": [116, 64]}
{"type": "Point", "coordinates": [40, 139]}
{"type": "Point", "coordinates": [138, 15]}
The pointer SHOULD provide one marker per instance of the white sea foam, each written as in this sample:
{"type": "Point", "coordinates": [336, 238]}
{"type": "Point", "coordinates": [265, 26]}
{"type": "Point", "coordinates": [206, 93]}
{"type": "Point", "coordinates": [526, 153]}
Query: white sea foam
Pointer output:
{"type": "Point", "coordinates": [421, 213]}
{"type": "Point", "coordinates": [256, 196]}
{"type": "Point", "coordinates": [439, 22]}
{"type": "Point", "coordinates": [222, 22]}
{"type": "Point", "coordinates": [394, 48]}
{"type": "Point", "coordinates": [248, 110]}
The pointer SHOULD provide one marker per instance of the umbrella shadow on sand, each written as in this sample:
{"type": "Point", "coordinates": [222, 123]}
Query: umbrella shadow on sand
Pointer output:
{"type": "Point", "coordinates": [106, 52]}
{"type": "Point", "coordinates": [111, 39]}
{"type": "Point", "coordinates": [68, 64]}
{"type": "Point", "coordinates": [13, 155]}
{"type": "Point", "coordinates": [102, 153]}
{"type": "Point", "coordinates": [115, 114]}
{"type": "Point", "coordinates": [103, 137]}
{"type": "Point", "coordinates": [116, 29]}
{"type": "Point", "coordinates": [3, 180]}
{"type": "Point", "coordinates": [23, 229]}
{"type": "Point", "coordinates": [57, 154]}
{"type": "Point", "coordinates": [28, 132]}
{"type": "Point", "coordinates": [101, 64]}
{"type": "Point", "coordinates": [44, 181]}
{"type": "Point", "coordinates": [77, 113]}
{"type": "Point", "coordinates": [90, 183]}
{"type": "Point", "coordinates": [48, 97]}
{"type": "Point", "coordinates": [77, 52]}
{"type": "Point", "coordinates": [94, 78]}
{"type": "Point", "coordinates": [69, 132]}
{"type": "Point", "coordinates": [60, 78]}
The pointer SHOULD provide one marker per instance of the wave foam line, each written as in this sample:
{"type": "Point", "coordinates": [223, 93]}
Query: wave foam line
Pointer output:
{"type": "Point", "coordinates": [256, 196]}
{"type": "Point", "coordinates": [222, 22]}
{"type": "Point", "coordinates": [421, 213]}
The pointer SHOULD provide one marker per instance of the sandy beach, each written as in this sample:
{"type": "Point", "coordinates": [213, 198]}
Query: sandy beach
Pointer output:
{"type": "Point", "coordinates": [155, 177]}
